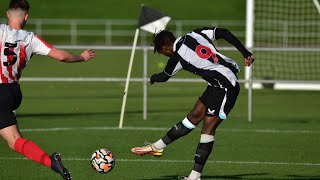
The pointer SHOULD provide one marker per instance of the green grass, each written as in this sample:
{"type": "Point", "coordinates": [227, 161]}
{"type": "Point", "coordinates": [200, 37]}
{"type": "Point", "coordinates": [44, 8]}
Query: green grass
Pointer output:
{"type": "Point", "coordinates": [114, 9]}
{"type": "Point", "coordinates": [108, 63]}
{"type": "Point", "coordinates": [208, 10]}
{"type": "Point", "coordinates": [284, 133]}
{"type": "Point", "coordinates": [282, 142]}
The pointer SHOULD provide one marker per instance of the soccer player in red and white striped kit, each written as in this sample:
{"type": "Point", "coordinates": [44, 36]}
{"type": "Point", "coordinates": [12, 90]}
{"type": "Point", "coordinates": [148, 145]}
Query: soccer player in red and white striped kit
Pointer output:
{"type": "Point", "coordinates": [16, 49]}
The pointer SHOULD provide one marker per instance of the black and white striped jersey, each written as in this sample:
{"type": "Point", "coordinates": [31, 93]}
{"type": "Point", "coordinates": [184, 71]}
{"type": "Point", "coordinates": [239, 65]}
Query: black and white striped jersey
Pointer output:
{"type": "Point", "coordinates": [196, 53]}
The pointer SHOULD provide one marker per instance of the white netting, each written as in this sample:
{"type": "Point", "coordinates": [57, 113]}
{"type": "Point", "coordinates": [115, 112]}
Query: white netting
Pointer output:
{"type": "Point", "coordinates": [287, 40]}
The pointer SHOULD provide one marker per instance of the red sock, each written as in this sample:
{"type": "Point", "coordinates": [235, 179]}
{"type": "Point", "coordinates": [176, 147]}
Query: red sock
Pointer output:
{"type": "Point", "coordinates": [32, 151]}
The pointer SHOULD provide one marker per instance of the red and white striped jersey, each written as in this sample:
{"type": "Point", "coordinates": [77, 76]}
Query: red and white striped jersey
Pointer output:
{"type": "Point", "coordinates": [16, 50]}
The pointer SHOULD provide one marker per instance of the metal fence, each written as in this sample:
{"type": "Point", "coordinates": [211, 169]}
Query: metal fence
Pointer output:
{"type": "Point", "coordinates": [115, 31]}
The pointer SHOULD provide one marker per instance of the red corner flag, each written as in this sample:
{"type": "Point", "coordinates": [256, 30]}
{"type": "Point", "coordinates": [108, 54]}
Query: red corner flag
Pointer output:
{"type": "Point", "coordinates": [152, 20]}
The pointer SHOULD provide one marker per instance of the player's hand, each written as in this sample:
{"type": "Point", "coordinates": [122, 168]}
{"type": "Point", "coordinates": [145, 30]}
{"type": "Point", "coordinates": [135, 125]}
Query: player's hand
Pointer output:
{"type": "Point", "coordinates": [153, 78]}
{"type": "Point", "coordinates": [249, 60]}
{"type": "Point", "coordinates": [88, 54]}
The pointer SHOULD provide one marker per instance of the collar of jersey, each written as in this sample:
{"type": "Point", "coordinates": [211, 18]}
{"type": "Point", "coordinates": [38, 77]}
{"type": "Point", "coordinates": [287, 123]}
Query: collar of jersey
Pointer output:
{"type": "Point", "coordinates": [175, 43]}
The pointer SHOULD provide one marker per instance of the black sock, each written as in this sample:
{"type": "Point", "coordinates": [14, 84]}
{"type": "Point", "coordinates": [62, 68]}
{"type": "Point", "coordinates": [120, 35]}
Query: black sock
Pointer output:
{"type": "Point", "coordinates": [201, 156]}
{"type": "Point", "coordinates": [177, 131]}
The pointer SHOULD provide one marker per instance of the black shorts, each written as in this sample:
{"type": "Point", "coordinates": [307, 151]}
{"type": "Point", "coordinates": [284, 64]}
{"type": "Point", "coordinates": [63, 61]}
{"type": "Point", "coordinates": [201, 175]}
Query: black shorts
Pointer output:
{"type": "Point", "coordinates": [219, 101]}
{"type": "Point", "coordinates": [10, 100]}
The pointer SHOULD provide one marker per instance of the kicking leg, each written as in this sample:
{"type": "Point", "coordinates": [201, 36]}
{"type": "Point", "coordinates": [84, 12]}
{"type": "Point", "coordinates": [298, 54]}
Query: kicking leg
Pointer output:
{"type": "Point", "coordinates": [184, 127]}
{"type": "Point", "coordinates": [181, 129]}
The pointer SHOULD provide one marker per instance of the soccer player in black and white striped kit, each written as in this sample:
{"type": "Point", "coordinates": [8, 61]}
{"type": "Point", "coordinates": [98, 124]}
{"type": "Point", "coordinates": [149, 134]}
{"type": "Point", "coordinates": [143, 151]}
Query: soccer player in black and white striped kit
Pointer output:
{"type": "Point", "coordinates": [196, 53]}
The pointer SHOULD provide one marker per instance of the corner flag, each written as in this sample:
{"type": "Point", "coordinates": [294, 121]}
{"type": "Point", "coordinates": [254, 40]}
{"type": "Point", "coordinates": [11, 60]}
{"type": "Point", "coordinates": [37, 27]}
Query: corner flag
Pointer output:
{"type": "Point", "coordinates": [152, 20]}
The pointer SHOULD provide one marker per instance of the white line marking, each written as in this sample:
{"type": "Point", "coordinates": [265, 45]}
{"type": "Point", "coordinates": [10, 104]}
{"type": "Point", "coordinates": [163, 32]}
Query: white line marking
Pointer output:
{"type": "Point", "coordinates": [184, 161]}
{"type": "Point", "coordinates": [275, 131]}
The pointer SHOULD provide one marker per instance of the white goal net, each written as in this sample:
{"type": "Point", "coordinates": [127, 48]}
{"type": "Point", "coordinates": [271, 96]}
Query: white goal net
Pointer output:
{"type": "Point", "coordinates": [286, 40]}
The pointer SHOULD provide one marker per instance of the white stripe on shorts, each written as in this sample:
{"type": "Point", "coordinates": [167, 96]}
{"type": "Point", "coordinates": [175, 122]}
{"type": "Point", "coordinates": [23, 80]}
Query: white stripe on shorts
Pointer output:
{"type": "Point", "coordinates": [223, 115]}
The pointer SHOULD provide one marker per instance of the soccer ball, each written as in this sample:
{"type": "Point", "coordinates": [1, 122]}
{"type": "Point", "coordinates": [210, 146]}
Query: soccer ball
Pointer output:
{"type": "Point", "coordinates": [102, 160]}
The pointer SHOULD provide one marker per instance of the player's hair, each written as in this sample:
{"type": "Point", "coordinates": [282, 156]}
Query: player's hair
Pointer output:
{"type": "Point", "coordinates": [19, 4]}
{"type": "Point", "coordinates": [162, 38]}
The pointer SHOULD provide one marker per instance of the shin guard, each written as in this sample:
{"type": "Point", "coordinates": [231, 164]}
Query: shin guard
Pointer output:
{"type": "Point", "coordinates": [203, 151]}
{"type": "Point", "coordinates": [181, 129]}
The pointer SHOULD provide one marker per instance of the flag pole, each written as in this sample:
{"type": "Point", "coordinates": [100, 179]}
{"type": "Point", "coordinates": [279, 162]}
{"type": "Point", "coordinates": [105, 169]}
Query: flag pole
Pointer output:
{"type": "Point", "coordinates": [125, 94]}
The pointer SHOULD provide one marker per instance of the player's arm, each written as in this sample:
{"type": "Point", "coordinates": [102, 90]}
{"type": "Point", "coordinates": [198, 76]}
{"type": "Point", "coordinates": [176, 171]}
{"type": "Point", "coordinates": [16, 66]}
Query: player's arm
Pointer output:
{"type": "Point", "coordinates": [172, 67]}
{"type": "Point", "coordinates": [215, 33]}
{"type": "Point", "coordinates": [160, 77]}
{"type": "Point", "coordinates": [65, 56]}
{"type": "Point", "coordinates": [229, 37]}
{"type": "Point", "coordinates": [42, 47]}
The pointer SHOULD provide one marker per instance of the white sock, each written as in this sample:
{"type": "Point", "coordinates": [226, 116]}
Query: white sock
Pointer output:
{"type": "Point", "coordinates": [194, 175]}
{"type": "Point", "coordinates": [159, 144]}
{"type": "Point", "coordinates": [206, 138]}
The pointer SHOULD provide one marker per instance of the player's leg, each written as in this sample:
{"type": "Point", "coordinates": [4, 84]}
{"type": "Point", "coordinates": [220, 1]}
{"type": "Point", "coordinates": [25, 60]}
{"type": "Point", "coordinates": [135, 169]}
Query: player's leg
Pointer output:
{"type": "Point", "coordinates": [32, 151]}
{"type": "Point", "coordinates": [179, 130]}
{"type": "Point", "coordinates": [205, 146]}
{"type": "Point", "coordinates": [219, 103]}
{"type": "Point", "coordinates": [10, 99]}
{"type": "Point", "coordinates": [183, 127]}
{"type": "Point", "coordinates": [23, 146]}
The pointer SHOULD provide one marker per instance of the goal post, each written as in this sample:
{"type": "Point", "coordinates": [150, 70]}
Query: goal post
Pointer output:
{"type": "Point", "coordinates": [286, 44]}
{"type": "Point", "coordinates": [249, 45]}
{"type": "Point", "coordinates": [317, 4]}
{"type": "Point", "coordinates": [285, 38]}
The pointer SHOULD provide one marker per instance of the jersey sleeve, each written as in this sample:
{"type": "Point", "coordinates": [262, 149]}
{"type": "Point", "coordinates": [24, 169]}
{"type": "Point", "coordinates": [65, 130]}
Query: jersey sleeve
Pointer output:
{"type": "Point", "coordinates": [40, 46]}
{"type": "Point", "coordinates": [209, 32]}
{"type": "Point", "coordinates": [173, 65]}
{"type": "Point", "coordinates": [230, 38]}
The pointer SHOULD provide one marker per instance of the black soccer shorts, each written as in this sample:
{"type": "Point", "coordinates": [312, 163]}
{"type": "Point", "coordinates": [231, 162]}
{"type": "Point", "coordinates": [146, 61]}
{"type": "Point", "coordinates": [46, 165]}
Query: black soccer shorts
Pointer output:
{"type": "Point", "coordinates": [10, 100]}
{"type": "Point", "coordinates": [219, 101]}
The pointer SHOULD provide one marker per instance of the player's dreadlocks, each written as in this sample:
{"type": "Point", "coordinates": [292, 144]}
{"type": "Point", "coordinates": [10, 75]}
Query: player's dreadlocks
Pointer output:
{"type": "Point", "coordinates": [19, 4]}
{"type": "Point", "coordinates": [162, 38]}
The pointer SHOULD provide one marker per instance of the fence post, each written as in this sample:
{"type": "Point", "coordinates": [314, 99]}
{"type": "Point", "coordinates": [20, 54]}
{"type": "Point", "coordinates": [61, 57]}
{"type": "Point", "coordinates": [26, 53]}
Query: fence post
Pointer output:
{"type": "Point", "coordinates": [73, 32]}
{"type": "Point", "coordinates": [39, 27]}
{"type": "Point", "coordinates": [108, 33]}
{"type": "Point", "coordinates": [145, 82]}
{"type": "Point", "coordinates": [178, 28]}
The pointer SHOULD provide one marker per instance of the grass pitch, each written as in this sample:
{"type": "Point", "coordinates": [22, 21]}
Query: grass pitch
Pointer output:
{"type": "Point", "coordinates": [76, 118]}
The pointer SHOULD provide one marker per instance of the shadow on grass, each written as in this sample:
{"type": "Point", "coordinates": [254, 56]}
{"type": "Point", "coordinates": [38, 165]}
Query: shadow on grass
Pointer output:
{"type": "Point", "coordinates": [237, 176]}
{"type": "Point", "coordinates": [19, 115]}
{"type": "Point", "coordinates": [75, 114]}
{"type": "Point", "coordinates": [303, 177]}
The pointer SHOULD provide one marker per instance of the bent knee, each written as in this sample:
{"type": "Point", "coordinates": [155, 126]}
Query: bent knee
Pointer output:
{"type": "Point", "coordinates": [195, 116]}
